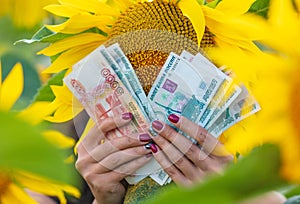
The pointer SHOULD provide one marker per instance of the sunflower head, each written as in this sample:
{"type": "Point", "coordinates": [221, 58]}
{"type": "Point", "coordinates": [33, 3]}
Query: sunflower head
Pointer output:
{"type": "Point", "coordinates": [147, 32]}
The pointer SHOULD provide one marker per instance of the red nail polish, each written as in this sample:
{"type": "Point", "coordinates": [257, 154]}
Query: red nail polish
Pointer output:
{"type": "Point", "coordinates": [144, 137]}
{"type": "Point", "coordinates": [157, 125]}
{"type": "Point", "coordinates": [127, 116]}
{"type": "Point", "coordinates": [153, 148]}
{"type": "Point", "coordinates": [173, 118]}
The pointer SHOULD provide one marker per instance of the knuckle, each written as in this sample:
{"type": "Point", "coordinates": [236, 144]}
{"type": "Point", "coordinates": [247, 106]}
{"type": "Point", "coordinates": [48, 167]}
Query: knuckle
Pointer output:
{"type": "Point", "coordinates": [171, 171]}
{"type": "Point", "coordinates": [201, 134]}
{"type": "Point", "coordinates": [129, 141]}
{"type": "Point", "coordinates": [89, 177]}
{"type": "Point", "coordinates": [105, 124]}
{"type": "Point", "coordinates": [192, 152]}
{"type": "Point", "coordinates": [180, 161]}
{"type": "Point", "coordinates": [115, 159]}
{"type": "Point", "coordinates": [80, 164]}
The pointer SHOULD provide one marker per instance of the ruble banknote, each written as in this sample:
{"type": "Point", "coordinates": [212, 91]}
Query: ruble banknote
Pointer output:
{"type": "Point", "coordinates": [97, 86]}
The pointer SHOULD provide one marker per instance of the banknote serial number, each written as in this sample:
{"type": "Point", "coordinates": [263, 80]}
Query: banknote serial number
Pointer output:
{"type": "Point", "coordinates": [111, 80]}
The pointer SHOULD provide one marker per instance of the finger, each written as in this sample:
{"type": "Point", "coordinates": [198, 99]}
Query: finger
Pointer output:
{"type": "Point", "coordinates": [177, 158]}
{"type": "Point", "coordinates": [128, 169]}
{"type": "Point", "coordinates": [97, 133]}
{"type": "Point", "coordinates": [120, 143]}
{"type": "Point", "coordinates": [190, 150]}
{"type": "Point", "coordinates": [169, 168]}
{"type": "Point", "coordinates": [111, 123]}
{"type": "Point", "coordinates": [177, 139]}
{"type": "Point", "coordinates": [119, 158]}
{"type": "Point", "coordinates": [209, 143]}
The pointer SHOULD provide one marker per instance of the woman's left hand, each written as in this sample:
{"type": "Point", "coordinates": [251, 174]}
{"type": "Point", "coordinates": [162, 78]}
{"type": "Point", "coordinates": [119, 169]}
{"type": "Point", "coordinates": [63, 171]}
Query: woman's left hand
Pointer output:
{"type": "Point", "coordinates": [185, 162]}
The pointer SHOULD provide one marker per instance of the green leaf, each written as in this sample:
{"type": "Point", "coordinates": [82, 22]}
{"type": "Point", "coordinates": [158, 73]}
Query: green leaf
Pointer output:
{"type": "Point", "coordinates": [44, 35]}
{"type": "Point", "coordinates": [260, 7]}
{"type": "Point", "coordinates": [23, 147]}
{"type": "Point", "coordinates": [31, 78]}
{"type": "Point", "coordinates": [45, 93]}
{"type": "Point", "coordinates": [292, 191]}
{"type": "Point", "coordinates": [254, 174]}
{"type": "Point", "coordinates": [213, 4]}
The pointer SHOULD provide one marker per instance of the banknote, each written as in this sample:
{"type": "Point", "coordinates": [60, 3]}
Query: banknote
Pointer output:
{"type": "Point", "coordinates": [126, 67]}
{"type": "Point", "coordinates": [210, 73]}
{"type": "Point", "coordinates": [201, 62]}
{"type": "Point", "coordinates": [161, 177]}
{"type": "Point", "coordinates": [123, 77]}
{"type": "Point", "coordinates": [243, 106]}
{"type": "Point", "coordinates": [232, 93]}
{"type": "Point", "coordinates": [177, 83]}
{"type": "Point", "coordinates": [102, 94]}
{"type": "Point", "coordinates": [116, 52]}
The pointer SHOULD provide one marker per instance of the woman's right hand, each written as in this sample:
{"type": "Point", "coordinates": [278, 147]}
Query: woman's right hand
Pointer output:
{"type": "Point", "coordinates": [104, 165]}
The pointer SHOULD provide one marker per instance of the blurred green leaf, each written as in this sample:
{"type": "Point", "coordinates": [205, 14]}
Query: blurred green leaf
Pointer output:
{"type": "Point", "coordinates": [23, 147]}
{"type": "Point", "coordinates": [44, 35]}
{"type": "Point", "coordinates": [45, 93]}
{"type": "Point", "coordinates": [213, 4]}
{"type": "Point", "coordinates": [293, 191]}
{"type": "Point", "coordinates": [256, 173]}
{"type": "Point", "coordinates": [31, 77]}
{"type": "Point", "coordinates": [260, 7]}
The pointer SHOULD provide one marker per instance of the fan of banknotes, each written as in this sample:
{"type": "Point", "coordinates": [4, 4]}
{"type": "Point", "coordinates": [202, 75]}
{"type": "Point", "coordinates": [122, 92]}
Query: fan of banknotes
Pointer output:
{"type": "Point", "coordinates": [190, 85]}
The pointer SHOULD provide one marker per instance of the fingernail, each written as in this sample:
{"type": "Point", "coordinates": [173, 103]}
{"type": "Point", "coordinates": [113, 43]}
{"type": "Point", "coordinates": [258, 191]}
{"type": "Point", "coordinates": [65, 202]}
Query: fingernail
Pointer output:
{"type": "Point", "coordinates": [157, 125]}
{"type": "Point", "coordinates": [144, 137]}
{"type": "Point", "coordinates": [173, 118]}
{"type": "Point", "coordinates": [127, 116]}
{"type": "Point", "coordinates": [153, 148]}
{"type": "Point", "coordinates": [148, 145]}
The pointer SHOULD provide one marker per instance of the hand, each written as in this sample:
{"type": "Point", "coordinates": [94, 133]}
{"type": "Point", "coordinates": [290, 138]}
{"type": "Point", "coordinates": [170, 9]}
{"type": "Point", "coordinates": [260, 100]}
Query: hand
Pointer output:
{"type": "Point", "coordinates": [104, 165]}
{"type": "Point", "coordinates": [185, 162]}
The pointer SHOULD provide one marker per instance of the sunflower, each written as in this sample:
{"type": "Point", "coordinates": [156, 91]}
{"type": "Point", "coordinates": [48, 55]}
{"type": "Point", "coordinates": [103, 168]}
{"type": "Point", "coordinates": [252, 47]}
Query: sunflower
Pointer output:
{"type": "Point", "coordinates": [25, 13]}
{"type": "Point", "coordinates": [147, 31]}
{"type": "Point", "coordinates": [13, 183]}
{"type": "Point", "coordinates": [276, 86]}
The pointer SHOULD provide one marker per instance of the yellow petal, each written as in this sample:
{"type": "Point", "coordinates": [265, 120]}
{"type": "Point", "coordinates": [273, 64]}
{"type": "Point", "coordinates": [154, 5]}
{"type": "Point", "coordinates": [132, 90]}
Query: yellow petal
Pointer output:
{"type": "Point", "coordinates": [62, 10]}
{"type": "Point", "coordinates": [82, 22]}
{"type": "Point", "coordinates": [12, 87]}
{"type": "Point", "coordinates": [234, 7]}
{"type": "Point", "coordinates": [67, 43]}
{"type": "Point", "coordinates": [87, 128]}
{"type": "Point", "coordinates": [247, 27]}
{"type": "Point", "coordinates": [297, 2]}
{"type": "Point", "coordinates": [0, 76]}
{"type": "Point", "coordinates": [63, 94]}
{"type": "Point", "coordinates": [58, 139]}
{"type": "Point", "coordinates": [67, 106]}
{"type": "Point", "coordinates": [193, 11]}
{"type": "Point", "coordinates": [93, 6]}
{"type": "Point", "coordinates": [281, 12]}
{"type": "Point", "coordinates": [63, 113]}
{"type": "Point", "coordinates": [14, 194]}
{"type": "Point", "coordinates": [121, 4]}
{"type": "Point", "coordinates": [246, 45]}
{"type": "Point", "coordinates": [70, 57]}
{"type": "Point", "coordinates": [45, 186]}
{"type": "Point", "coordinates": [36, 112]}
